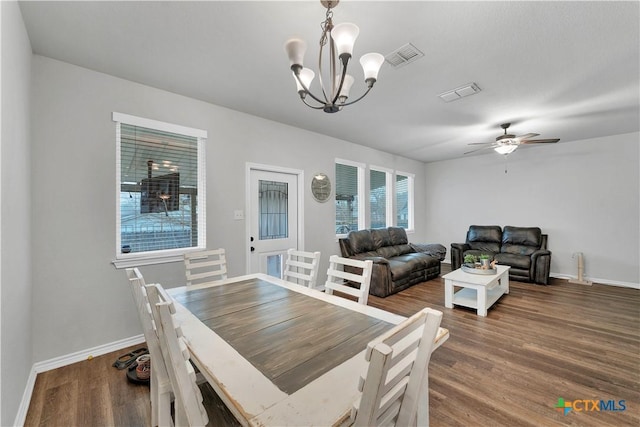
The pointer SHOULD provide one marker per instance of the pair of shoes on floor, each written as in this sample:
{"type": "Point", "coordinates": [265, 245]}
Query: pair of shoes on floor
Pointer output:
{"type": "Point", "coordinates": [127, 359]}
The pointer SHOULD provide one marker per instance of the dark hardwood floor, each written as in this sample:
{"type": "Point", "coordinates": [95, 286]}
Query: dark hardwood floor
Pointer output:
{"type": "Point", "coordinates": [537, 344]}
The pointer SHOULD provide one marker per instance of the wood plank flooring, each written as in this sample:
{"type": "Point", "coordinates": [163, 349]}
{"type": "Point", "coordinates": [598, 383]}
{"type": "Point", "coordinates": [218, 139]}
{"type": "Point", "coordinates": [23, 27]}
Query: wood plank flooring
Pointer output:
{"type": "Point", "coordinates": [537, 344]}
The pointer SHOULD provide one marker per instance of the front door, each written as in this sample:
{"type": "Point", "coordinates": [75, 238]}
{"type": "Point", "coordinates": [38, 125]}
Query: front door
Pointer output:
{"type": "Point", "coordinates": [273, 217]}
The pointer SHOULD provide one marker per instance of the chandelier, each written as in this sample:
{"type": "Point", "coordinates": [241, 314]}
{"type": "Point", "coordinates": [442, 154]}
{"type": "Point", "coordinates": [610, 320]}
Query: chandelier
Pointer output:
{"type": "Point", "coordinates": [341, 38]}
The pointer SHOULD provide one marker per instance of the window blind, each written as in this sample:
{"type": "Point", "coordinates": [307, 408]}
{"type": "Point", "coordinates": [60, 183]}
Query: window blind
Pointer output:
{"type": "Point", "coordinates": [402, 201]}
{"type": "Point", "coordinates": [158, 189]}
{"type": "Point", "coordinates": [346, 198]}
{"type": "Point", "coordinates": [378, 198]}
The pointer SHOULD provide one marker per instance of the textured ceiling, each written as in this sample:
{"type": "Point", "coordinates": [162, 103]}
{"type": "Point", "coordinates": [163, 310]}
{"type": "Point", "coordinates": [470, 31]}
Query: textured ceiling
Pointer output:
{"type": "Point", "coordinates": [567, 70]}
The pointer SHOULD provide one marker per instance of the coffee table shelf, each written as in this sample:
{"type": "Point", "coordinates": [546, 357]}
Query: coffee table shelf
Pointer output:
{"type": "Point", "coordinates": [478, 291]}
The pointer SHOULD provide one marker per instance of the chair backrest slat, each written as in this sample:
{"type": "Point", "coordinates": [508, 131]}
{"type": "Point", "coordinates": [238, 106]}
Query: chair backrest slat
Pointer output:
{"type": "Point", "coordinates": [205, 266]}
{"type": "Point", "coordinates": [149, 327]}
{"type": "Point", "coordinates": [189, 409]}
{"type": "Point", "coordinates": [301, 267]}
{"type": "Point", "coordinates": [397, 371]}
{"type": "Point", "coordinates": [338, 279]}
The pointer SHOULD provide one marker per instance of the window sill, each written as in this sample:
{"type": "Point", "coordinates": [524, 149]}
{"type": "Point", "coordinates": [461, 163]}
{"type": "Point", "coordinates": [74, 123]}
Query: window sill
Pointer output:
{"type": "Point", "coordinates": [137, 260]}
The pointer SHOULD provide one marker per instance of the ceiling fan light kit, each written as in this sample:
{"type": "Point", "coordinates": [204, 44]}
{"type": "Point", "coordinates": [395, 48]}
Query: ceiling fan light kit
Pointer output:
{"type": "Point", "coordinates": [507, 143]}
{"type": "Point", "coordinates": [341, 39]}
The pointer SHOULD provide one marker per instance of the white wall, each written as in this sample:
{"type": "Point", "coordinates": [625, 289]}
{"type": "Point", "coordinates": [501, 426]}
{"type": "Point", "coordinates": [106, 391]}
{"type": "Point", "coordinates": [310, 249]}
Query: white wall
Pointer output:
{"type": "Point", "coordinates": [583, 194]}
{"type": "Point", "coordinates": [15, 258]}
{"type": "Point", "coordinates": [80, 299]}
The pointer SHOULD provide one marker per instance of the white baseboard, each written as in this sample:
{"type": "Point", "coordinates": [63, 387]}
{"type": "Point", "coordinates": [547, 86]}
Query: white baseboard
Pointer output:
{"type": "Point", "coordinates": [58, 362]}
{"type": "Point", "coordinates": [598, 281]}
{"type": "Point", "coordinates": [592, 279]}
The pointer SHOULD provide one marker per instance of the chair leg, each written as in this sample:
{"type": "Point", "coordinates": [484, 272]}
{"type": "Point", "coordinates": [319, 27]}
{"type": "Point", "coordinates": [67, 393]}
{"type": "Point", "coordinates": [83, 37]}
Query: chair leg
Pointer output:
{"type": "Point", "coordinates": [164, 410]}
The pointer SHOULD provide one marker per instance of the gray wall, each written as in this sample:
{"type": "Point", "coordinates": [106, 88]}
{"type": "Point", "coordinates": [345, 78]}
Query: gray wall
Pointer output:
{"type": "Point", "coordinates": [80, 299]}
{"type": "Point", "coordinates": [15, 259]}
{"type": "Point", "coordinates": [583, 194]}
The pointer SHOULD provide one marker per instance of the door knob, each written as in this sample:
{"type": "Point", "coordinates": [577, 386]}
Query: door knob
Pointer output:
{"type": "Point", "coordinates": [252, 249]}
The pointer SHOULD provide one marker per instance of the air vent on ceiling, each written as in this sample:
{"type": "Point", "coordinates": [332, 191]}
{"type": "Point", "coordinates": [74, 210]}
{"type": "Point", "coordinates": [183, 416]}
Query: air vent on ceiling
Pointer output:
{"type": "Point", "coordinates": [459, 92]}
{"type": "Point", "coordinates": [403, 55]}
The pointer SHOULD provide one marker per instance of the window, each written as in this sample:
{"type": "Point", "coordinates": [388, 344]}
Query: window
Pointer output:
{"type": "Point", "coordinates": [349, 196]}
{"type": "Point", "coordinates": [404, 200]}
{"type": "Point", "coordinates": [161, 194]}
{"type": "Point", "coordinates": [380, 183]}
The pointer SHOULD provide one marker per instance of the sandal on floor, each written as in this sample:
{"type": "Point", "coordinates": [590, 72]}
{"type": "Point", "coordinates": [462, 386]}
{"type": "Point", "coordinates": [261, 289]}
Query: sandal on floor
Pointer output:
{"type": "Point", "coordinates": [128, 358]}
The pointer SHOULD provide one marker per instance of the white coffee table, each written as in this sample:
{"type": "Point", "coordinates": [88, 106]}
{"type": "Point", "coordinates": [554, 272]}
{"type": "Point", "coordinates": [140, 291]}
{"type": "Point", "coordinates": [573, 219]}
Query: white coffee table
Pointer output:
{"type": "Point", "coordinates": [480, 291]}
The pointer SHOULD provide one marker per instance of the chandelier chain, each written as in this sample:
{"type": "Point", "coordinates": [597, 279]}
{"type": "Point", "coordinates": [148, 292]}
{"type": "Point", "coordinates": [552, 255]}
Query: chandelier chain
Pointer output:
{"type": "Point", "coordinates": [326, 26]}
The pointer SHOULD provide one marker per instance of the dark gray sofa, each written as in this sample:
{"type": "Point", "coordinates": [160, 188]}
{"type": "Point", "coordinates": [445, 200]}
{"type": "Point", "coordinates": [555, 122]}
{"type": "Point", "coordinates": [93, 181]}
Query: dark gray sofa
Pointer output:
{"type": "Point", "coordinates": [397, 264]}
{"type": "Point", "coordinates": [524, 249]}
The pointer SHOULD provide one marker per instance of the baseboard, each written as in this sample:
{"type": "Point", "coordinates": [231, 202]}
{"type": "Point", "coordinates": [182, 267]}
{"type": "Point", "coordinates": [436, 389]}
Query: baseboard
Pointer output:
{"type": "Point", "coordinates": [592, 279]}
{"type": "Point", "coordinates": [21, 416]}
{"type": "Point", "coordinates": [597, 281]}
{"type": "Point", "coordinates": [58, 362]}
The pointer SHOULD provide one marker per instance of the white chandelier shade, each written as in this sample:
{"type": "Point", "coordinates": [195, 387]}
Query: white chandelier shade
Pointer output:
{"type": "Point", "coordinates": [344, 36]}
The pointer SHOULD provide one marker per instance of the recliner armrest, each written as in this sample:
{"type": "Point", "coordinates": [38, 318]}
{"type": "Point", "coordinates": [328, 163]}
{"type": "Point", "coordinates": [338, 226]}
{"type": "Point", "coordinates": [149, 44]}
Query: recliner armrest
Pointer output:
{"type": "Point", "coordinates": [540, 252]}
{"type": "Point", "coordinates": [460, 246]}
{"type": "Point", "coordinates": [457, 254]}
{"type": "Point", "coordinates": [435, 250]}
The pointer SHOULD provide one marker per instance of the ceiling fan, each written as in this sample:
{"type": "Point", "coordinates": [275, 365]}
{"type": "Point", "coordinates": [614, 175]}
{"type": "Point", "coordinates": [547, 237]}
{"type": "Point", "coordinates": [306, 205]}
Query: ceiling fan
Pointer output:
{"type": "Point", "coordinates": [508, 143]}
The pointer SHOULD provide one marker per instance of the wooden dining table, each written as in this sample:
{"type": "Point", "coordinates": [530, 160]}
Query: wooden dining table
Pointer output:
{"type": "Point", "coordinates": [277, 353]}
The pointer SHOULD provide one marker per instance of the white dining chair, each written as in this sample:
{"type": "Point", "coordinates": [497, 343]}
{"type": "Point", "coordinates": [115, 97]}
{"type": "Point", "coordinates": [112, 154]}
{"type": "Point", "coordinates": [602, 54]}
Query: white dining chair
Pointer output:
{"type": "Point", "coordinates": [337, 277]}
{"type": "Point", "coordinates": [205, 266]}
{"type": "Point", "coordinates": [395, 389]}
{"type": "Point", "coordinates": [188, 407]}
{"type": "Point", "coordinates": [161, 391]}
{"type": "Point", "coordinates": [301, 267]}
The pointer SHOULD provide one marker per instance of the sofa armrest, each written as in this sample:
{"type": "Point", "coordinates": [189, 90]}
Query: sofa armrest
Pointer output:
{"type": "Point", "coordinates": [435, 250]}
{"type": "Point", "coordinates": [541, 266]}
{"type": "Point", "coordinates": [457, 254]}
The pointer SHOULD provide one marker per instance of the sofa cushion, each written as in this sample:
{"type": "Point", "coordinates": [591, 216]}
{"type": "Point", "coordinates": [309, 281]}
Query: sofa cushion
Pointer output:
{"type": "Point", "coordinates": [361, 241]}
{"type": "Point", "coordinates": [484, 233]}
{"type": "Point", "coordinates": [405, 249]}
{"type": "Point", "coordinates": [522, 236]}
{"type": "Point", "coordinates": [381, 237]}
{"type": "Point", "coordinates": [402, 266]}
{"type": "Point", "coordinates": [477, 253]}
{"type": "Point", "coordinates": [388, 251]}
{"type": "Point", "coordinates": [521, 240]}
{"type": "Point", "coordinates": [486, 238]}
{"type": "Point", "coordinates": [398, 236]}
{"type": "Point", "coordinates": [522, 262]}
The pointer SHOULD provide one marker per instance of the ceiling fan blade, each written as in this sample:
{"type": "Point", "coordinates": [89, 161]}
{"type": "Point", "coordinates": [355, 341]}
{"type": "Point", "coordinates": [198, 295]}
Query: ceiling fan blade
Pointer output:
{"type": "Point", "coordinates": [481, 148]}
{"type": "Point", "coordinates": [540, 141]}
{"type": "Point", "coordinates": [481, 143]}
{"type": "Point", "coordinates": [527, 136]}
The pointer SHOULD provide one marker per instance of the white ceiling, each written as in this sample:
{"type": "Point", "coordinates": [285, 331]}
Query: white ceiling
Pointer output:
{"type": "Point", "coordinates": [567, 70]}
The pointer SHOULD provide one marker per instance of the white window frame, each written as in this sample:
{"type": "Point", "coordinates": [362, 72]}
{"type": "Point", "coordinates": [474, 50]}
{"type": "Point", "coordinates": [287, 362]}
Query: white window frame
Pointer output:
{"type": "Point", "coordinates": [389, 196]}
{"type": "Point", "coordinates": [410, 199]}
{"type": "Point", "coordinates": [362, 205]}
{"type": "Point", "coordinates": [167, 255]}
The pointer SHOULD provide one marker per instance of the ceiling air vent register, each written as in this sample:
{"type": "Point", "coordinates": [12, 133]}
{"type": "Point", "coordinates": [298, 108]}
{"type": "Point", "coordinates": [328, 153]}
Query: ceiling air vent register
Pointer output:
{"type": "Point", "coordinates": [460, 92]}
{"type": "Point", "coordinates": [403, 55]}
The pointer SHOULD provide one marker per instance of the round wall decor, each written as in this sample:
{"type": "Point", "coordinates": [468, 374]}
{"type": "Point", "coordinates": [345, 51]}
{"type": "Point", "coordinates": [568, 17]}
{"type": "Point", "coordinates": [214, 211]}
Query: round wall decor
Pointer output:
{"type": "Point", "coordinates": [321, 187]}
